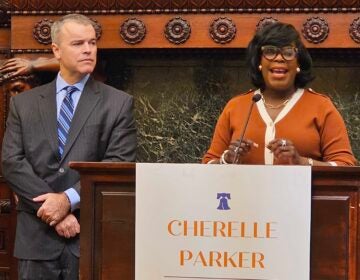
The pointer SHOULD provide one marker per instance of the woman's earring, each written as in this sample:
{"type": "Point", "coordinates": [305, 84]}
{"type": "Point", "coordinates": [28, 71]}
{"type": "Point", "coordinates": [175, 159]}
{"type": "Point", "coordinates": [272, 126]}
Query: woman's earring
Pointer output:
{"type": "Point", "coordinates": [298, 69]}
{"type": "Point", "coordinates": [260, 68]}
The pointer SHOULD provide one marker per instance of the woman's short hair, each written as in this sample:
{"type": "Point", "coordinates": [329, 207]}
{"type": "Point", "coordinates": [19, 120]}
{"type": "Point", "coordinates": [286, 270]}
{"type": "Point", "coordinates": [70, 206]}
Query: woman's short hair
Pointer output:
{"type": "Point", "coordinates": [278, 34]}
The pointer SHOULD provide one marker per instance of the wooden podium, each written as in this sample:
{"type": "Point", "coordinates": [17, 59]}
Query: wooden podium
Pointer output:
{"type": "Point", "coordinates": [108, 222]}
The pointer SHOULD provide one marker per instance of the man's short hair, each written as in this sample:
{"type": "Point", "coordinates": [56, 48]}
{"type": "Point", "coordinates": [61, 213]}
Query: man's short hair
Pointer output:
{"type": "Point", "coordinates": [78, 18]}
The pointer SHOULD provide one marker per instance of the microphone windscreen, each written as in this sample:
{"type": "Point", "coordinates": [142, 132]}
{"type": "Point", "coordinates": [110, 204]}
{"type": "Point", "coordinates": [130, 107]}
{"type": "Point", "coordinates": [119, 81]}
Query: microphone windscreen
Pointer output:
{"type": "Point", "coordinates": [256, 97]}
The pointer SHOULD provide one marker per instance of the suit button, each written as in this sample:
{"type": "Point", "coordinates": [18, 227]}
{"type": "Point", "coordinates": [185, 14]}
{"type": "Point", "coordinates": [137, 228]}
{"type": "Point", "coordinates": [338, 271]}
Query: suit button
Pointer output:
{"type": "Point", "coordinates": [61, 170]}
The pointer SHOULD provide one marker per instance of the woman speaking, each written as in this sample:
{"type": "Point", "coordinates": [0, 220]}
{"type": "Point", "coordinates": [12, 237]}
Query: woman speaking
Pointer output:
{"type": "Point", "coordinates": [281, 122]}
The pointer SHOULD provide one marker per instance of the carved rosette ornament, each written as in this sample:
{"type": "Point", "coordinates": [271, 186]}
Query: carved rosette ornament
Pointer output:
{"type": "Point", "coordinates": [98, 28]}
{"type": "Point", "coordinates": [315, 30]}
{"type": "Point", "coordinates": [132, 31]}
{"type": "Point", "coordinates": [42, 31]}
{"type": "Point", "coordinates": [222, 30]}
{"type": "Point", "coordinates": [264, 22]}
{"type": "Point", "coordinates": [177, 30]}
{"type": "Point", "coordinates": [354, 30]}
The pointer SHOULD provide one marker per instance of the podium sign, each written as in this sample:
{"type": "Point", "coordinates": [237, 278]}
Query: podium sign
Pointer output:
{"type": "Point", "coordinates": [197, 221]}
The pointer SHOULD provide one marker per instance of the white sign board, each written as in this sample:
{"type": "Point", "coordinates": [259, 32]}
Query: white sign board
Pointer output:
{"type": "Point", "coordinates": [196, 221]}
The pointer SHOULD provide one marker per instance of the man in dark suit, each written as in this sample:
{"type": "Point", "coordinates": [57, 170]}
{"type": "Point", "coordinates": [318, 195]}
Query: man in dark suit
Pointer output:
{"type": "Point", "coordinates": [73, 118]}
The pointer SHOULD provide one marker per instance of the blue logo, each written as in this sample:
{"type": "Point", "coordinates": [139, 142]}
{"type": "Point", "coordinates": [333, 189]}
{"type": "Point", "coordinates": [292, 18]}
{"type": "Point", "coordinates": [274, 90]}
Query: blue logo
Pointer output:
{"type": "Point", "coordinates": [223, 201]}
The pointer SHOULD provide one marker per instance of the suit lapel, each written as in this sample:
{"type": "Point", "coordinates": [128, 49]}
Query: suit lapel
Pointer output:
{"type": "Point", "coordinates": [47, 108]}
{"type": "Point", "coordinates": [88, 100]}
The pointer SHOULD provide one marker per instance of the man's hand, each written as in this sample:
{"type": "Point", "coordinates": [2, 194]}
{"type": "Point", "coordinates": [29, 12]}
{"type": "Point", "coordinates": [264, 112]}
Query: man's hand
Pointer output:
{"type": "Point", "coordinates": [54, 208]}
{"type": "Point", "coordinates": [68, 227]}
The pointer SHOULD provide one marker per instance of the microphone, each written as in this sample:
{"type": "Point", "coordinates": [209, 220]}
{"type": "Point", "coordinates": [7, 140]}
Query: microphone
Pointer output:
{"type": "Point", "coordinates": [254, 99]}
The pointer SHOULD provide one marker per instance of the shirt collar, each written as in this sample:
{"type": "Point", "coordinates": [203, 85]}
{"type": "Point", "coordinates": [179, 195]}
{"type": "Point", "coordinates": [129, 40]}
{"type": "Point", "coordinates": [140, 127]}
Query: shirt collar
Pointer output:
{"type": "Point", "coordinates": [61, 84]}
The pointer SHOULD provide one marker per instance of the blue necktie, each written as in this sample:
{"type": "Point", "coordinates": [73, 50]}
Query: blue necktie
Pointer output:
{"type": "Point", "coordinates": [65, 117]}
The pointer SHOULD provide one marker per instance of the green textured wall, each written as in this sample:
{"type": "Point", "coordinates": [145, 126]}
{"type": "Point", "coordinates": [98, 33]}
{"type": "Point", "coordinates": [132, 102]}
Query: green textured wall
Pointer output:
{"type": "Point", "coordinates": [180, 94]}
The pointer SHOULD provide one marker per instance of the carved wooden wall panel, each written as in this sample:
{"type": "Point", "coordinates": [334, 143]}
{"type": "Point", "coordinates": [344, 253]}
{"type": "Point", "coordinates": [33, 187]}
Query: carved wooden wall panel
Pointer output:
{"type": "Point", "coordinates": [4, 25]}
{"type": "Point", "coordinates": [148, 6]}
{"type": "Point", "coordinates": [108, 198]}
{"type": "Point", "coordinates": [334, 263]}
{"type": "Point", "coordinates": [4, 8]}
{"type": "Point", "coordinates": [192, 30]}
{"type": "Point", "coordinates": [7, 232]}
{"type": "Point", "coordinates": [4, 39]}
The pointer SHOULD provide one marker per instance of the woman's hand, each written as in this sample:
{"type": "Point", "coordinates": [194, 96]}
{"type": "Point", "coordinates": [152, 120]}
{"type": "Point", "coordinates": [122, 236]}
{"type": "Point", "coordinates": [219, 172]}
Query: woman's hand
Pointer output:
{"type": "Point", "coordinates": [236, 151]}
{"type": "Point", "coordinates": [285, 152]}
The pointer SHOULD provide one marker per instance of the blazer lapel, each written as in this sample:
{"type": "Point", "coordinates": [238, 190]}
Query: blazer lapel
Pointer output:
{"type": "Point", "coordinates": [88, 100]}
{"type": "Point", "coordinates": [47, 108]}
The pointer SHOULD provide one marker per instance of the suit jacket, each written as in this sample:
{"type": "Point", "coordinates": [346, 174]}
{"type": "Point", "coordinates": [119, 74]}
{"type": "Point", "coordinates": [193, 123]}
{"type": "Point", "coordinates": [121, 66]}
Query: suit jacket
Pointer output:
{"type": "Point", "coordinates": [102, 129]}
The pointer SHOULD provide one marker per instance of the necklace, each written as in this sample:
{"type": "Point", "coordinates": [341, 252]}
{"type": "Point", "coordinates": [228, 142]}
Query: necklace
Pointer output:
{"type": "Point", "coordinates": [271, 106]}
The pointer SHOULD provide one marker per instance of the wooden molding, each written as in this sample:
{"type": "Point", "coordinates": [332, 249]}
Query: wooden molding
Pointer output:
{"type": "Point", "coordinates": [338, 31]}
{"type": "Point", "coordinates": [182, 6]}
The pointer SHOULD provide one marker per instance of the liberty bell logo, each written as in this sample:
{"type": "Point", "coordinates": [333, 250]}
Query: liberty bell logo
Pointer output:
{"type": "Point", "coordinates": [223, 201]}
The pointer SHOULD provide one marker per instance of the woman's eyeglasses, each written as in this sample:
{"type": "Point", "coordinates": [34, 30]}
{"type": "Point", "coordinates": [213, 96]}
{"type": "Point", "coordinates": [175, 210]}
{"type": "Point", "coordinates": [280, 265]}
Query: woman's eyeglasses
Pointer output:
{"type": "Point", "coordinates": [287, 53]}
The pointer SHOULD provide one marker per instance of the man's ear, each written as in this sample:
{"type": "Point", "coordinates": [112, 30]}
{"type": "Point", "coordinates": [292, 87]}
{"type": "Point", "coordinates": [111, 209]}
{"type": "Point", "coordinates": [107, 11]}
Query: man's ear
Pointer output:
{"type": "Point", "coordinates": [56, 50]}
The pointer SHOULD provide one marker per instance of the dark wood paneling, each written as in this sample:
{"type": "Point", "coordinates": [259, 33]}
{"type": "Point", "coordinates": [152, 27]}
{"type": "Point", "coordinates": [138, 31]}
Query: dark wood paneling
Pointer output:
{"type": "Point", "coordinates": [109, 189]}
{"type": "Point", "coordinates": [332, 238]}
{"type": "Point", "coordinates": [101, 218]}
{"type": "Point", "coordinates": [335, 221]}
{"type": "Point", "coordinates": [4, 38]}
{"type": "Point", "coordinates": [115, 226]}
{"type": "Point", "coordinates": [7, 233]}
